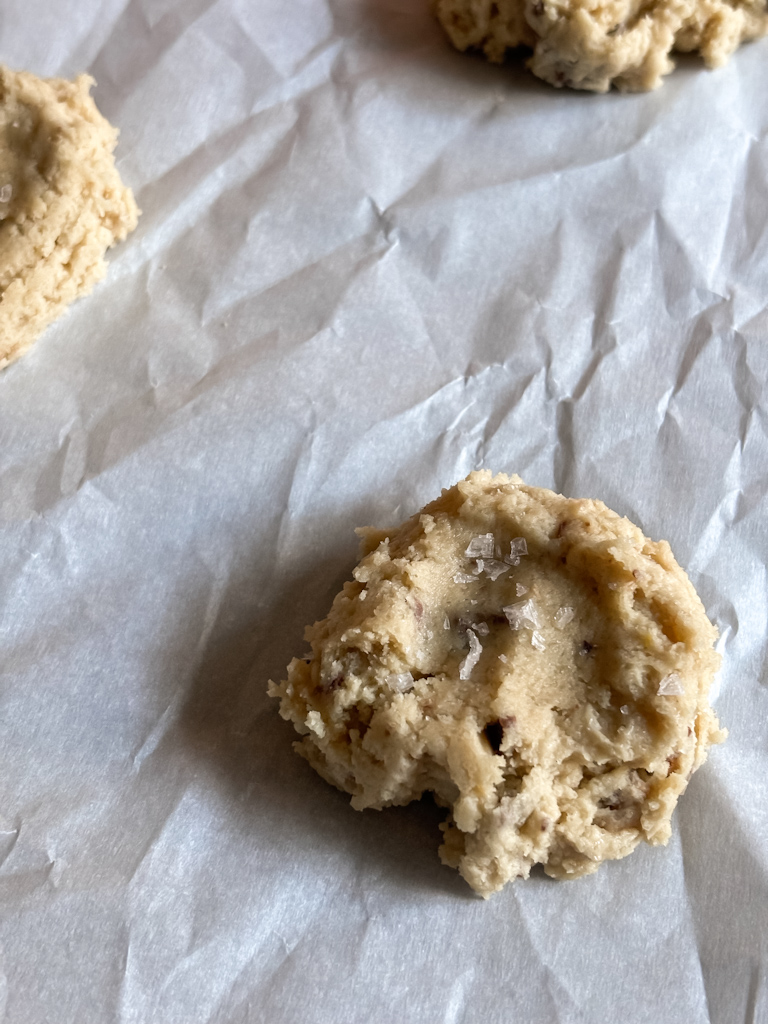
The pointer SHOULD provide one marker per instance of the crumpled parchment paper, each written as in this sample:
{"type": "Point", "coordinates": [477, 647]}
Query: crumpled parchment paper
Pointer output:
{"type": "Point", "coordinates": [366, 265]}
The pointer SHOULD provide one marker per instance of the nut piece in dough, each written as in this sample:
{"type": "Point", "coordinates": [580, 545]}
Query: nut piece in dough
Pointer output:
{"type": "Point", "coordinates": [62, 203]}
{"type": "Point", "coordinates": [588, 45]}
{"type": "Point", "coordinates": [532, 660]}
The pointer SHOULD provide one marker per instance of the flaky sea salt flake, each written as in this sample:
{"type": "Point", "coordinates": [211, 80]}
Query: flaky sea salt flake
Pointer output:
{"type": "Point", "coordinates": [537, 640]}
{"type": "Point", "coordinates": [480, 547]}
{"type": "Point", "coordinates": [520, 589]}
{"type": "Point", "coordinates": [463, 577]}
{"type": "Point", "coordinates": [563, 616]}
{"type": "Point", "coordinates": [503, 657]}
{"type": "Point", "coordinates": [446, 623]}
{"type": "Point", "coordinates": [5, 193]}
{"type": "Point", "coordinates": [522, 615]}
{"type": "Point", "coordinates": [481, 628]}
{"type": "Point", "coordinates": [671, 685]}
{"type": "Point", "coordinates": [400, 681]}
{"type": "Point", "coordinates": [517, 547]}
{"type": "Point", "coordinates": [475, 650]}
{"type": "Point", "coordinates": [495, 568]}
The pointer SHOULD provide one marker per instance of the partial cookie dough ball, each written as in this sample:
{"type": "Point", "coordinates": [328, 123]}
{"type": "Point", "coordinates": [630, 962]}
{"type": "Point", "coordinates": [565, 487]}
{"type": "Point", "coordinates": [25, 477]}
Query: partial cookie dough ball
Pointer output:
{"type": "Point", "coordinates": [588, 45]}
{"type": "Point", "coordinates": [62, 203]}
{"type": "Point", "coordinates": [532, 660]}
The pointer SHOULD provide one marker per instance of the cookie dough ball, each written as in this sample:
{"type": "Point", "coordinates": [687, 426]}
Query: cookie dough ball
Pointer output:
{"type": "Point", "coordinates": [589, 45]}
{"type": "Point", "coordinates": [62, 203]}
{"type": "Point", "coordinates": [534, 661]}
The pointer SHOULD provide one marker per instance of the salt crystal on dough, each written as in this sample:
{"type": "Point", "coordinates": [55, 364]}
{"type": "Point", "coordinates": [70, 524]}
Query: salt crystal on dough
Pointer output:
{"type": "Point", "coordinates": [517, 547]}
{"type": "Point", "coordinates": [671, 685]}
{"type": "Point", "coordinates": [537, 640]}
{"type": "Point", "coordinates": [480, 547]}
{"type": "Point", "coordinates": [5, 193]}
{"type": "Point", "coordinates": [475, 650]}
{"type": "Point", "coordinates": [400, 681]}
{"type": "Point", "coordinates": [522, 615]}
{"type": "Point", "coordinates": [563, 616]}
{"type": "Point", "coordinates": [494, 568]}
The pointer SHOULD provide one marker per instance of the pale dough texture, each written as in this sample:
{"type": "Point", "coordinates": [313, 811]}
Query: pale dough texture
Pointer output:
{"type": "Point", "coordinates": [593, 44]}
{"type": "Point", "coordinates": [532, 660]}
{"type": "Point", "coordinates": [62, 203]}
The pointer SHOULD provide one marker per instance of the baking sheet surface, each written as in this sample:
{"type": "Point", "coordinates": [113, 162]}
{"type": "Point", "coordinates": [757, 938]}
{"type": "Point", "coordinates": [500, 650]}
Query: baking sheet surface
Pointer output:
{"type": "Point", "coordinates": [366, 265]}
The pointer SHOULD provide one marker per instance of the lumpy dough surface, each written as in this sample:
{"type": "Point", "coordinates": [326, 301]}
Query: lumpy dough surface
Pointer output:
{"type": "Point", "coordinates": [586, 44]}
{"type": "Point", "coordinates": [532, 660]}
{"type": "Point", "coordinates": [62, 203]}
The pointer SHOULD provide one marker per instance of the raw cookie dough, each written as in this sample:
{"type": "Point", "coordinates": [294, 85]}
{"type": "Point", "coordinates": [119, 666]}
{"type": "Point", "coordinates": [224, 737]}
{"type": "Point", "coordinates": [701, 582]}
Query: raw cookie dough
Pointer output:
{"type": "Point", "coordinates": [62, 203]}
{"type": "Point", "coordinates": [533, 660]}
{"type": "Point", "coordinates": [587, 44]}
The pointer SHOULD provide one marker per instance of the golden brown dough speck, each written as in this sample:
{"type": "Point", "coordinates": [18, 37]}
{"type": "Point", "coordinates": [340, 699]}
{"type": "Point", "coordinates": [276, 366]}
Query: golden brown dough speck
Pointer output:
{"type": "Point", "coordinates": [62, 203]}
{"type": "Point", "coordinates": [533, 660]}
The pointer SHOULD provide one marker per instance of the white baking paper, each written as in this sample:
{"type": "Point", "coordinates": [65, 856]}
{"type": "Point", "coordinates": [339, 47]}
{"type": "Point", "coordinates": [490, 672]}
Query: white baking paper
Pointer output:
{"type": "Point", "coordinates": [366, 265]}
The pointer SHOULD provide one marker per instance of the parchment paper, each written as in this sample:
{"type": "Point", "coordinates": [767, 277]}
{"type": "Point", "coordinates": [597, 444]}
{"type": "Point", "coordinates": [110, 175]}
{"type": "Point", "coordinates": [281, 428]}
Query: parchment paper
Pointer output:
{"type": "Point", "coordinates": [366, 265]}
